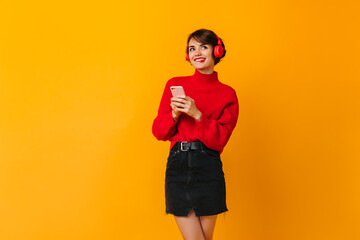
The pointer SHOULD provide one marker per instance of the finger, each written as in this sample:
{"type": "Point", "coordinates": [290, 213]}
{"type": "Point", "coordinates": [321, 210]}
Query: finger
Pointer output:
{"type": "Point", "coordinates": [175, 108]}
{"type": "Point", "coordinates": [181, 110]}
{"type": "Point", "coordinates": [178, 104]}
{"type": "Point", "coordinates": [187, 105]}
{"type": "Point", "coordinates": [183, 107]}
{"type": "Point", "coordinates": [177, 98]}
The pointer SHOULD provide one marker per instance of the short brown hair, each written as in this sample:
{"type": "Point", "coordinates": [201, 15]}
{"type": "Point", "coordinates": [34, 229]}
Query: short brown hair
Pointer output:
{"type": "Point", "coordinates": [205, 36]}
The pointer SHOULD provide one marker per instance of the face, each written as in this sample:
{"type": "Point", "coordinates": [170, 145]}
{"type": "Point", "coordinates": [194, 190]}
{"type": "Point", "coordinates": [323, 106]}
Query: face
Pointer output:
{"type": "Point", "coordinates": [201, 56]}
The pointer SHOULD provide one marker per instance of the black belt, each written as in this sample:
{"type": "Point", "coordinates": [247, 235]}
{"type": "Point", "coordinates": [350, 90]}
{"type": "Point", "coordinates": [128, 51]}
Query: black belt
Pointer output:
{"type": "Point", "coordinates": [186, 146]}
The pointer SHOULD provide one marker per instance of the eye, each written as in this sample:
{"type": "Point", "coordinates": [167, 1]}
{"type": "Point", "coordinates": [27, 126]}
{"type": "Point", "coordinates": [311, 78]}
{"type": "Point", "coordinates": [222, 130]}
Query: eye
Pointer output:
{"type": "Point", "coordinates": [191, 49]}
{"type": "Point", "coordinates": [204, 47]}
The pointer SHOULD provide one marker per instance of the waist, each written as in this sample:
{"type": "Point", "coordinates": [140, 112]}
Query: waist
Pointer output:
{"type": "Point", "coordinates": [188, 146]}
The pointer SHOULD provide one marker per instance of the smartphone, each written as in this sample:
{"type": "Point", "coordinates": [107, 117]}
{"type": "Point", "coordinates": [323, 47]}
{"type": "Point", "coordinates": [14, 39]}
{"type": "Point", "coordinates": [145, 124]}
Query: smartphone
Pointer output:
{"type": "Point", "coordinates": [177, 91]}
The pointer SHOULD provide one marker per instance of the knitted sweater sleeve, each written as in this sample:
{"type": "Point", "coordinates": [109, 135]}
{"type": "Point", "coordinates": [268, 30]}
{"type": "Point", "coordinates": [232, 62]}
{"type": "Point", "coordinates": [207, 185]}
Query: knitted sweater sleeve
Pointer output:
{"type": "Point", "coordinates": [164, 126]}
{"type": "Point", "coordinates": [215, 133]}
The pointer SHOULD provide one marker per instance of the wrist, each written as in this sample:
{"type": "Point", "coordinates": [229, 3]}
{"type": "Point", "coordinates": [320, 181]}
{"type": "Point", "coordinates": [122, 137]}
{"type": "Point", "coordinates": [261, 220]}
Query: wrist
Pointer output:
{"type": "Point", "coordinates": [198, 116]}
{"type": "Point", "coordinates": [174, 116]}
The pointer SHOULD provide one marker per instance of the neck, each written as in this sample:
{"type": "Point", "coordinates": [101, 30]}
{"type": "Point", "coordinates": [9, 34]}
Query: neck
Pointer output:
{"type": "Point", "coordinates": [206, 71]}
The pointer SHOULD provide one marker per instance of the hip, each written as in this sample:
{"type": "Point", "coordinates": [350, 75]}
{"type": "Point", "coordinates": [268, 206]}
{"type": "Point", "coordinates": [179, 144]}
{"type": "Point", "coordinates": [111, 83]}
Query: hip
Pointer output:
{"type": "Point", "coordinates": [196, 160]}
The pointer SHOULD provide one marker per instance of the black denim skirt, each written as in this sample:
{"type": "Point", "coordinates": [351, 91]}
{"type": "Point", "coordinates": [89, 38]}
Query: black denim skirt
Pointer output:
{"type": "Point", "coordinates": [194, 180]}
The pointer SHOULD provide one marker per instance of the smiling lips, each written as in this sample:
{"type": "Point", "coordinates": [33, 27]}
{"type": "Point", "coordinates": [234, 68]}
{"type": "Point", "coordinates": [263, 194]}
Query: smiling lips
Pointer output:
{"type": "Point", "coordinates": [199, 59]}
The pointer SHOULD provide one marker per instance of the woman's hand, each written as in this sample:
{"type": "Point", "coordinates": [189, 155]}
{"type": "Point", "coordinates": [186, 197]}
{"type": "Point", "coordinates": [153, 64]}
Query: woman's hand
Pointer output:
{"type": "Point", "coordinates": [185, 105]}
{"type": "Point", "coordinates": [175, 112]}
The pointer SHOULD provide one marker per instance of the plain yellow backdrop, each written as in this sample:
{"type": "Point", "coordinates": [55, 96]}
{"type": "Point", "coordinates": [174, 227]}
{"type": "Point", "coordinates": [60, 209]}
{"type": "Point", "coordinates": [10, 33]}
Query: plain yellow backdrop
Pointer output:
{"type": "Point", "coordinates": [80, 84]}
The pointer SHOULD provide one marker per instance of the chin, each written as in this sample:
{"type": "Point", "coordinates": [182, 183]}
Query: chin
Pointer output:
{"type": "Point", "coordinates": [203, 67]}
{"type": "Point", "coordinates": [200, 66]}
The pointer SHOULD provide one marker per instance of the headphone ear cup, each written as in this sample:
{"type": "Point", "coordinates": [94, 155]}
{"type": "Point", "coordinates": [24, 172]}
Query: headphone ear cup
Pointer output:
{"type": "Point", "coordinates": [218, 51]}
{"type": "Point", "coordinates": [187, 56]}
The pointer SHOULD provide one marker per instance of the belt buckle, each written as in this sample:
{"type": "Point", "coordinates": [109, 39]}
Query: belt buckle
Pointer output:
{"type": "Point", "coordinates": [182, 146]}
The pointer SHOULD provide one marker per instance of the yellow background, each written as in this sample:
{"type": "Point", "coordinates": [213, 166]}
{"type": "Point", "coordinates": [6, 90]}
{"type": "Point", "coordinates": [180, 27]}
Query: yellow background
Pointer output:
{"type": "Point", "coordinates": [80, 84]}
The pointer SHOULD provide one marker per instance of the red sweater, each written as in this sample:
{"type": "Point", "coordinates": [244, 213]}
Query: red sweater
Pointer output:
{"type": "Point", "coordinates": [216, 101]}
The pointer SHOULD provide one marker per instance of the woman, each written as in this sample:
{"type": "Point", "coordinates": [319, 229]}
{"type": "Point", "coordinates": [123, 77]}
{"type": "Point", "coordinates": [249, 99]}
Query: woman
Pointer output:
{"type": "Point", "coordinates": [198, 126]}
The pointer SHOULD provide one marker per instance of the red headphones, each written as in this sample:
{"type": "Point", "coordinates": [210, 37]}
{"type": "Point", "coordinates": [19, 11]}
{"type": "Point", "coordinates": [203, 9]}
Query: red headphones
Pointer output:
{"type": "Point", "coordinates": [218, 50]}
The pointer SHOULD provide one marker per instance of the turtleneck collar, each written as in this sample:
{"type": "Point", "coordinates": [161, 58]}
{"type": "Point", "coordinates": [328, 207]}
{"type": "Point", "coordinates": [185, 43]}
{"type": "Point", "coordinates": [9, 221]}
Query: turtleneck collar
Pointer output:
{"type": "Point", "coordinates": [201, 78]}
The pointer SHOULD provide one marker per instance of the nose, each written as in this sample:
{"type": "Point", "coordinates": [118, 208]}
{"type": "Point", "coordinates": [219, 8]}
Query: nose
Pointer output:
{"type": "Point", "coordinates": [197, 52]}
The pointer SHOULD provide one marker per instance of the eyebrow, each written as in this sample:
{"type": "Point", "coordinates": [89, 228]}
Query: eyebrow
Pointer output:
{"type": "Point", "coordinates": [203, 44]}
